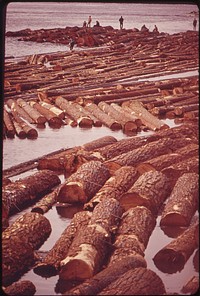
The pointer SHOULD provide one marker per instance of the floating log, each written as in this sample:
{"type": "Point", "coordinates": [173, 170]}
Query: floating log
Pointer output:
{"type": "Point", "coordinates": [107, 214]}
{"type": "Point", "coordinates": [53, 120]}
{"type": "Point", "coordinates": [128, 112]}
{"type": "Point", "coordinates": [173, 256]}
{"type": "Point", "coordinates": [134, 282]}
{"type": "Point", "coordinates": [18, 129]}
{"type": "Point", "coordinates": [192, 286]}
{"type": "Point", "coordinates": [105, 277]}
{"type": "Point", "coordinates": [33, 113]}
{"type": "Point", "coordinates": [127, 124]}
{"type": "Point", "coordinates": [18, 194]}
{"type": "Point", "coordinates": [182, 202]}
{"type": "Point", "coordinates": [146, 117]}
{"type": "Point", "coordinates": [135, 156]}
{"type": "Point", "coordinates": [20, 111]}
{"type": "Point", "coordinates": [77, 115]}
{"type": "Point", "coordinates": [10, 130]}
{"type": "Point", "coordinates": [165, 160]}
{"type": "Point", "coordinates": [98, 143]}
{"type": "Point", "coordinates": [19, 240]}
{"type": "Point", "coordinates": [115, 186]}
{"type": "Point", "coordinates": [180, 110]}
{"type": "Point", "coordinates": [86, 254]}
{"type": "Point", "coordinates": [84, 183]}
{"type": "Point", "coordinates": [189, 165]}
{"type": "Point", "coordinates": [105, 118]}
{"type": "Point", "coordinates": [150, 190]}
{"type": "Point", "coordinates": [20, 288]}
{"type": "Point", "coordinates": [58, 112]}
{"type": "Point", "coordinates": [49, 266]}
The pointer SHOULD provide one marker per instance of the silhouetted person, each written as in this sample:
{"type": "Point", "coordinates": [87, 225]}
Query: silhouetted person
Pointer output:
{"type": "Point", "coordinates": [194, 24]}
{"type": "Point", "coordinates": [71, 44]}
{"type": "Point", "coordinates": [84, 24]}
{"type": "Point", "coordinates": [89, 21]}
{"type": "Point", "coordinates": [144, 29]}
{"type": "Point", "coordinates": [97, 24]}
{"type": "Point", "coordinates": [121, 22]}
{"type": "Point", "coordinates": [155, 30]}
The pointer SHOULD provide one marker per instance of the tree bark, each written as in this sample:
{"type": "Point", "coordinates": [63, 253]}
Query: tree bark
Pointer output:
{"type": "Point", "coordinates": [33, 113]}
{"type": "Point", "coordinates": [84, 183]}
{"type": "Point", "coordinates": [22, 113]}
{"type": "Point", "coordinates": [19, 194]}
{"type": "Point", "coordinates": [173, 256]}
{"type": "Point", "coordinates": [58, 112]}
{"type": "Point", "coordinates": [137, 281]}
{"type": "Point", "coordinates": [19, 240]}
{"type": "Point", "coordinates": [192, 286]}
{"type": "Point", "coordinates": [20, 288]}
{"type": "Point", "coordinates": [115, 186]}
{"type": "Point", "coordinates": [10, 130]}
{"type": "Point", "coordinates": [105, 277]}
{"type": "Point", "coordinates": [98, 143]}
{"type": "Point", "coordinates": [182, 202]}
{"type": "Point", "coordinates": [50, 265]}
{"type": "Point", "coordinates": [106, 120]}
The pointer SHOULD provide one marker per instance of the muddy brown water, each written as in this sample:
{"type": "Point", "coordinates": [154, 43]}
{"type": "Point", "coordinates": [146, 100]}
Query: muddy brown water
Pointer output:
{"type": "Point", "coordinates": [16, 151]}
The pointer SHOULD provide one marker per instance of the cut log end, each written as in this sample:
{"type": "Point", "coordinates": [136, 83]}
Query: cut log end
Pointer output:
{"type": "Point", "coordinates": [45, 270]}
{"type": "Point", "coordinates": [174, 219]}
{"type": "Point", "coordinates": [144, 167]}
{"type": "Point", "coordinates": [71, 193]}
{"type": "Point", "coordinates": [115, 126]}
{"type": "Point", "coordinates": [85, 122]}
{"type": "Point", "coordinates": [112, 166]}
{"type": "Point", "coordinates": [76, 269]}
{"type": "Point", "coordinates": [169, 261]}
{"type": "Point", "coordinates": [131, 200]}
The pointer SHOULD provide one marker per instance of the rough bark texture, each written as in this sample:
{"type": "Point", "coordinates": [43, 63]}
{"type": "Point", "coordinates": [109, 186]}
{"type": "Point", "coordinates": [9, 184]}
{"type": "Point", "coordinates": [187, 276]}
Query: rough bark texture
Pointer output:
{"type": "Point", "coordinates": [18, 194]}
{"type": "Point", "coordinates": [115, 186]}
{"type": "Point", "coordinates": [182, 202]}
{"type": "Point", "coordinates": [20, 288]}
{"type": "Point", "coordinates": [138, 281]}
{"type": "Point", "coordinates": [19, 240]}
{"type": "Point", "coordinates": [173, 257]}
{"type": "Point", "coordinates": [10, 130]}
{"type": "Point", "coordinates": [84, 183]}
{"type": "Point", "coordinates": [49, 266]}
{"type": "Point", "coordinates": [60, 113]}
{"type": "Point", "coordinates": [20, 111]}
{"type": "Point", "coordinates": [105, 277]}
{"type": "Point", "coordinates": [86, 254]}
{"type": "Point", "coordinates": [33, 113]}
{"type": "Point", "coordinates": [107, 214]}
{"type": "Point", "coordinates": [100, 142]}
{"type": "Point", "coordinates": [192, 286]}
{"type": "Point", "coordinates": [150, 190]}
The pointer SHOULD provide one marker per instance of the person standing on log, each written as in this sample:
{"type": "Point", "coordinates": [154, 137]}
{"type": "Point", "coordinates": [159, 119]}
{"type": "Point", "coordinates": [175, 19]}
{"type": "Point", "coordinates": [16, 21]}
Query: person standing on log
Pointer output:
{"type": "Point", "coordinates": [84, 24]}
{"type": "Point", "coordinates": [194, 24]}
{"type": "Point", "coordinates": [121, 22]}
{"type": "Point", "coordinates": [71, 44]}
{"type": "Point", "coordinates": [89, 21]}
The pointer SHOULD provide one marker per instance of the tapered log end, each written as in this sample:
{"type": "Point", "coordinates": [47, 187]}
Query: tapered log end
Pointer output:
{"type": "Point", "coordinates": [112, 166]}
{"type": "Point", "coordinates": [72, 192]}
{"type": "Point", "coordinates": [174, 219]}
{"type": "Point", "coordinates": [144, 167]}
{"type": "Point", "coordinates": [45, 270]}
{"type": "Point", "coordinates": [169, 261]}
{"type": "Point", "coordinates": [85, 122]}
{"type": "Point", "coordinates": [131, 200]}
{"type": "Point", "coordinates": [32, 134]}
{"type": "Point", "coordinates": [76, 269]}
{"type": "Point", "coordinates": [115, 126]}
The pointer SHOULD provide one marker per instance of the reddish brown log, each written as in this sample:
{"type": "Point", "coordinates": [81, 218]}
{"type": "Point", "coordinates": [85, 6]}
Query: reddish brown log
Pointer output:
{"type": "Point", "coordinates": [102, 279]}
{"type": "Point", "coordinates": [106, 120]}
{"type": "Point", "coordinates": [100, 142]}
{"type": "Point", "coordinates": [10, 130]}
{"type": "Point", "coordinates": [180, 110]}
{"type": "Point", "coordinates": [49, 266]}
{"type": "Point", "coordinates": [19, 240]}
{"type": "Point", "coordinates": [33, 113]}
{"type": "Point", "coordinates": [173, 256]}
{"type": "Point", "coordinates": [192, 286]}
{"type": "Point", "coordinates": [182, 202]}
{"type": "Point", "coordinates": [84, 183]}
{"type": "Point", "coordinates": [126, 111]}
{"type": "Point", "coordinates": [20, 111]}
{"type": "Point", "coordinates": [20, 288]}
{"type": "Point", "coordinates": [115, 186]}
{"type": "Point", "coordinates": [18, 129]}
{"type": "Point", "coordinates": [58, 112]}
{"type": "Point", "coordinates": [134, 282]}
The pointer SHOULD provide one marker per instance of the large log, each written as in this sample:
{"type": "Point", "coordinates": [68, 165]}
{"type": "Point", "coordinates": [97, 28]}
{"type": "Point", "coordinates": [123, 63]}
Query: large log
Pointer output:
{"type": "Point", "coordinates": [10, 130]}
{"type": "Point", "coordinates": [137, 281]}
{"type": "Point", "coordinates": [182, 202]}
{"type": "Point", "coordinates": [115, 186]}
{"type": "Point", "coordinates": [173, 256]}
{"type": "Point", "coordinates": [20, 111]}
{"type": "Point", "coordinates": [20, 288]}
{"type": "Point", "coordinates": [150, 190]}
{"type": "Point", "coordinates": [192, 286]}
{"type": "Point", "coordinates": [84, 183]}
{"type": "Point", "coordinates": [58, 112]}
{"type": "Point", "coordinates": [18, 129]}
{"type": "Point", "coordinates": [165, 160]}
{"type": "Point", "coordinates": [105, 118]}
{"type": "Point", "coordinates": [49, 266]}
{"type": "Point", "coordinates": [127, 112]}
{"type": "Point", "coordinates": [33, 113]}
{"type": "Point", "coordinates": [103, 278]}
{"type": "Point", "coordinates": [19, 241]}
{"type": "Point", "coordinates": [98, 143]}
{"type": "Point", "coordinates": [23, 192]}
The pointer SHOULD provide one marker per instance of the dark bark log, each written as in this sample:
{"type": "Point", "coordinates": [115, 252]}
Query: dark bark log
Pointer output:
{"type": "Point", "coordinates": [173, 256]}
{"type": "Point", "coordinates": [53, 120]}
{"type": "Point", "coordinates": [33, 113]}
{"type": "Point", "coordinates": [18, 129]}
{"type": "Point", "coordinates": [182, 109]}
{"type": "Point", "coordinates": [136, 156]}
{"type": "Point", "coordinates": [192, 286]}
{"type": "Point", "coordinates": [189, 165]}
{"type": "Point", "coordinates": [20, 288]}
{"type": "Point", "coordinates": [19, 240]}
{"type": "Point", "coordinates": [182, 202]}
{"type": "Point", "coordinates": [137, 281]}
{"type": "Point", "coordinates": [10, 130]}
{"type": "Point", "coordinates": [165, 160]}
{"type": "Point", "coordinates": [127, 112]}
{"type": "Point", "coordinates": [115, 186]}
{"type": "Point", "coordinates": [22, 113]}
{"type": "Point", "coordinates": [58, 112]}
{"type": "Point", "coordinates": [84, 183]}
{"type": "Point", "coordinates": [105, 277]}
{"type": "Point", "coordinates": [98, 143]}
{"type": "Point", "coordinates": [107, 214]}
{"type": "Point", "coordinates": [106, 120]}
{"type": "Point", "coordinates": [49, 266]}
{"type": "Point", "coordinates": [86, 254]}
{"type": "Point", "coordinates": [22, 192]}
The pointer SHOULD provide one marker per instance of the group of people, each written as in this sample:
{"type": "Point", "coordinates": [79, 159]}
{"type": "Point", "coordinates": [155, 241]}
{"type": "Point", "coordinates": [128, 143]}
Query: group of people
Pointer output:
{"type": "Point", "coordinates": [88, 23]}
